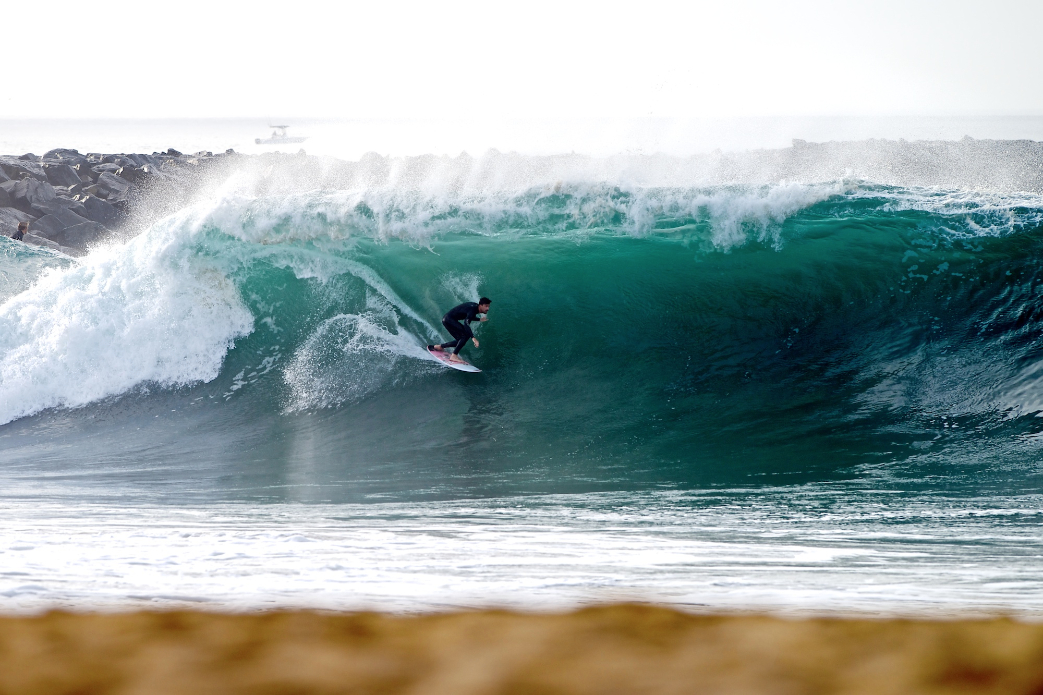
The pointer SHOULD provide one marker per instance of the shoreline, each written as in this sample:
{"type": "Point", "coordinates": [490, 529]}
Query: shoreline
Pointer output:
{"type": "Point", "coordinates": [623, 648]}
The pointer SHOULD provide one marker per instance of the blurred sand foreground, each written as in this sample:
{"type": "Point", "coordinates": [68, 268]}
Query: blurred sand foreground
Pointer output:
{"type": "Point", "coordinates": [610, 649]}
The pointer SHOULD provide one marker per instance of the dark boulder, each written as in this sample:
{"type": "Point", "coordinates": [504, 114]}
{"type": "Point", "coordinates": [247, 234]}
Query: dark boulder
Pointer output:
{"type": "Point", "coordinates": [141, 160]}
{"type": "Point", "coordinates": [61, 153]}
{"type": "Point", "coordinates": [50, 207]}
{"type": "Point", "coordinates": [121, 200]}
{"type": "Point", "coordinates": [45, 207]}
{"type": "Point", "coordinates": [61, 175]}
{"type": "Point", "coordinates": [122, 206]}
{"type": "Point", "coordinates": [50, 226]}
{"type": "Point", "coordinates": [9, 219]}
{"type": "Point", "coordinates": [151, 173]}
{"type": "Point", "coordinates": [35, 240]}
{"type": "Point", "coordinates": [68, 217]}
{"type": "Point", "coordinates": [173, 153]}
{"type": "Point", "coordinates": [29, 157]}
{"type": "Point", "coordinates": [29, 192]}
{"type": "Point", "coordinates": [5, 199]}
{"type": "Point", "coordinates": [17, 169]}
{"type": "Point", "coordinates": [85, 172]}
{"type": "Point", "coordinates": [73, 161]}
{"type": "Point", "coordinates": [98, 210]}
{"type": "Point", "coordinates": [136, 175]}
{"type": "Point", "coordinates": [36, 191]}
{"type": "Point", "coordinates": [80, 235]}
{"type": "Point", "coordinates": [113, 187]}
{"type": "Point", "coordinates": [110, 167]}
{"type": "Point", "coordinates": [78, 208]}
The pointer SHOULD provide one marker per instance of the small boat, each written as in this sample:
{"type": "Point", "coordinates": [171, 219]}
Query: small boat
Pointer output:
{"type": "Point", "coordinates": [279, 137]}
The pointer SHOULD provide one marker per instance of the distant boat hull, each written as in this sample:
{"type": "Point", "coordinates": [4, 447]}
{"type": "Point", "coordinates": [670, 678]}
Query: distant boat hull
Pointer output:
{"type": "Point", "coordinates": [278, 141]}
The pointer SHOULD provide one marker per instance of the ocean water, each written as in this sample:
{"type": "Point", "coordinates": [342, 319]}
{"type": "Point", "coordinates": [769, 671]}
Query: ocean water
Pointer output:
{"type": "Point", "coordinates": [797, 396]}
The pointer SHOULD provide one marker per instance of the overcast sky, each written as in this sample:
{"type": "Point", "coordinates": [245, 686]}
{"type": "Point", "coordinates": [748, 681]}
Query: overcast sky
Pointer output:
{"type": "Point", "coordinates": [380, 59]}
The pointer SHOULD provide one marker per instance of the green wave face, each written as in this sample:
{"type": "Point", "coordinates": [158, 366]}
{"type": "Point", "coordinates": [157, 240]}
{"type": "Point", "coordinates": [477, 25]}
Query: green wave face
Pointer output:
{"type": "Point", "coordinates": [636, 340]}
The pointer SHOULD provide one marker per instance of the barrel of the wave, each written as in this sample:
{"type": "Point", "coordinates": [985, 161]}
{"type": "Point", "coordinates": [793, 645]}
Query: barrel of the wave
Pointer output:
{"type": "Point", "coordinates": [461, 332]}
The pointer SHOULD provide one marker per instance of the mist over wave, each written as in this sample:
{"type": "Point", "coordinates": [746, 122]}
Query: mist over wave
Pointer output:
{"type": "Point", "coordinates": [967, 164]}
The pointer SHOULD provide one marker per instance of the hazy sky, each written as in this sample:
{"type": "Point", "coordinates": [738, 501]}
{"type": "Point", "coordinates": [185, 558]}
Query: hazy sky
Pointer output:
{"type": "Point", "coordinates": [379, 59]}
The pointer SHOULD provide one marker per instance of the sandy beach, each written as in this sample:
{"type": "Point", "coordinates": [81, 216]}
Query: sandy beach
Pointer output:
{"type": "Point", "coordinates": [608, 649]}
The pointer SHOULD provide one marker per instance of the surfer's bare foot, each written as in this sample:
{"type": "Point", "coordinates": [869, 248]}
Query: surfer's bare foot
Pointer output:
{"type": "Point", "coordinates": [435, 348]}
{"type": "Point", "coordinates": [454, 358]}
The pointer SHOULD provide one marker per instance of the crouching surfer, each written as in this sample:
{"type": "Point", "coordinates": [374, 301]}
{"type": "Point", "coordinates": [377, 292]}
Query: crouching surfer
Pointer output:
{"type": "Point", "coordinates": [461, 332]}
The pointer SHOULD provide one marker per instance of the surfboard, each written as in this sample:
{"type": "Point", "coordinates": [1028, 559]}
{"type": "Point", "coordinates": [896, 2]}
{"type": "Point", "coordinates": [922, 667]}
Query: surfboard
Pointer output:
{"type": "Point", "coordinates": [443, 357]}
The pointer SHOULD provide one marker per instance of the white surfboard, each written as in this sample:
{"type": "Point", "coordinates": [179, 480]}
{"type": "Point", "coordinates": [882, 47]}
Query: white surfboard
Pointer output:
{"type": "Point", "coordinates": [443, 357]}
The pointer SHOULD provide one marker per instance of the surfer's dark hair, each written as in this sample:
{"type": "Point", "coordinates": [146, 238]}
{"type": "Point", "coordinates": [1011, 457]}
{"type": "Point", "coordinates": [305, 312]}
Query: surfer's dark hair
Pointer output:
{"type": "Point", "coordinates": [485, 300]}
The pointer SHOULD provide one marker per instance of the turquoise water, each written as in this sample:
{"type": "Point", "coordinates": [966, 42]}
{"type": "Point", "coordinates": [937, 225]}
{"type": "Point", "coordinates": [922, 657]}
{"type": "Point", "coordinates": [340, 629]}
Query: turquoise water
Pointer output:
{"type": "Point", "coordinates": [740, 350]}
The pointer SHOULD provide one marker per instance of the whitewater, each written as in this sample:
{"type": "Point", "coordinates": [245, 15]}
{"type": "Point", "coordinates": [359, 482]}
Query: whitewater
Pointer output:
{"type": "Point", "coordinates": [816, 393]}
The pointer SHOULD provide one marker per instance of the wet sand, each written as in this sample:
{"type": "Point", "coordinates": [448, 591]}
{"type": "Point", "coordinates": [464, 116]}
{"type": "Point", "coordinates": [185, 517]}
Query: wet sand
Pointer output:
{"type": "Point", "coordinates": [610, 649]}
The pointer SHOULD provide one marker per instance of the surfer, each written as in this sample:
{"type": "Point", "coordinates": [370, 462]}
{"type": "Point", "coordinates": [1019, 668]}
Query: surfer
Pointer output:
{"type": "Point", "coordinates": [466, 312]}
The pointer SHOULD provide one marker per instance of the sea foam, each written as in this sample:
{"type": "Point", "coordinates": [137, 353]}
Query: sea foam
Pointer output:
{"type": "Point", "coordinates": [148, 311]}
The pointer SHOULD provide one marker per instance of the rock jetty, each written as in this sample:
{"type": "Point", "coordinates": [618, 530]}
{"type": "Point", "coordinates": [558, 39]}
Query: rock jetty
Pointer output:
{"type": "Point", "coordinates": [73, 200]}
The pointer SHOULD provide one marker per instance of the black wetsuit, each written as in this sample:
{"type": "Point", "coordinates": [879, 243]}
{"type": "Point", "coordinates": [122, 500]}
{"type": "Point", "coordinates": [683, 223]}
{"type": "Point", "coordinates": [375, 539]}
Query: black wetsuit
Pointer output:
{"type": "Point", "coordinates": [17, 236]}
{"type": "Point", "coordinates": [466, 312]}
